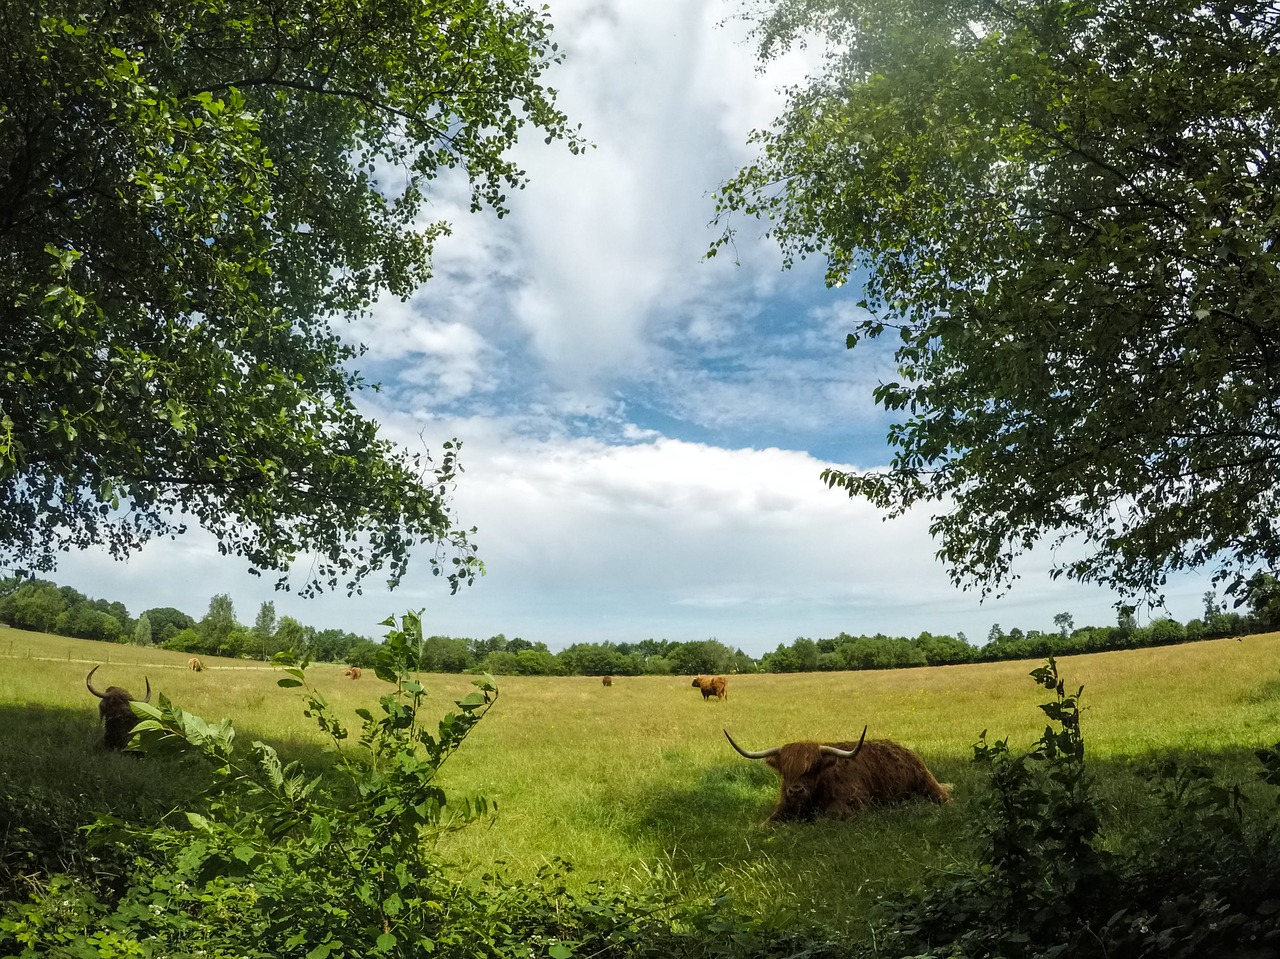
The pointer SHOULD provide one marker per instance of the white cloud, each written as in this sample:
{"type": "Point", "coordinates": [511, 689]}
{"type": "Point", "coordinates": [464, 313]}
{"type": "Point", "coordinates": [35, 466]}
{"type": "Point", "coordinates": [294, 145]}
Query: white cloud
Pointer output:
{"type": "Point", "coordinates": [543, 334]}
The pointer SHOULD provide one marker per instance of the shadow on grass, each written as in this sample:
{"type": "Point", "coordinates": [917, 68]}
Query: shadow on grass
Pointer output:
{"type": "Point", "coordinates": [55, 776]}
{"type": "Point", "coordinates": [714, 830]}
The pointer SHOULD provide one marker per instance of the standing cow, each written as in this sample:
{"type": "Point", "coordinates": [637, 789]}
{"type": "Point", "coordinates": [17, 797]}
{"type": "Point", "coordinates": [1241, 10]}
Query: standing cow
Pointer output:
{"type": "Point", "coordinates": [716, 686]}
{"type": "Point", "coordinates": [606, 680]}
{"type": "Point", "coordinates": [117, 715]}
{"type": "Point", "coordinates": [842, 779]}
{"type": "Point", "coordinates": [353, 672]}
{"type": "Point", "coordinates": [195, 665]}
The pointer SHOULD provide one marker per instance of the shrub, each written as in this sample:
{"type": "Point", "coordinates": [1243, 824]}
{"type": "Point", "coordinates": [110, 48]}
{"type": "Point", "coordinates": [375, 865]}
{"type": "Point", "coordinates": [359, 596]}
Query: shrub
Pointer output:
{"type": "Point", "coordinates": [1199, 882]}
{"type": "Point", "coordinates": [271, 862]}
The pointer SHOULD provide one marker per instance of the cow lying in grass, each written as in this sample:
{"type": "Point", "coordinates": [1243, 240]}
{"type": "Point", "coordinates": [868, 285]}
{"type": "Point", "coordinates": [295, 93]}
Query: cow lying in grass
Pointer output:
{"type": "Point", "coordinates": [842, 779]}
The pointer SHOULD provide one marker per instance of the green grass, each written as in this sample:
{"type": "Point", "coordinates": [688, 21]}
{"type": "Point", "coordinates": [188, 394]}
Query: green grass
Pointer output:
{"type": "Point", "coordinates": [636, 782]}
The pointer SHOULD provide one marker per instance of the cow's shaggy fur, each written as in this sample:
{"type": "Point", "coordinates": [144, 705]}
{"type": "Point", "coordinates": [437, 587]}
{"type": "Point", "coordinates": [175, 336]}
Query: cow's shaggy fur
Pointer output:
{"type": "Point", "coordinates": [117, 715]}
{"type": "Point", "coordinates": [194, 664]}
{"type": "Point", "coordinates": [353, 672]}
{"type": "Point", "coordinates": [716, 686]}
{"type": "Point", "coordinates": [815, 783]}
{"type": "Point", "coordinates": [606, 680]}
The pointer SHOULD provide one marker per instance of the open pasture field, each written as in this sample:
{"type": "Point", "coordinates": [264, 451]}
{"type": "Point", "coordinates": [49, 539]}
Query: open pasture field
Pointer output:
{"type": "Point", "coordinates": [635, 783]}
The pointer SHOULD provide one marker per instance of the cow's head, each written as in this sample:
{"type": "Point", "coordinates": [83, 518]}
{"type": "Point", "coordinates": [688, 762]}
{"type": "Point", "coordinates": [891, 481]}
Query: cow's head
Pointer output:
{"type": "Point", "coordinates": [116, 713]}
{"type": "Point", "coordinates": [803, 767]}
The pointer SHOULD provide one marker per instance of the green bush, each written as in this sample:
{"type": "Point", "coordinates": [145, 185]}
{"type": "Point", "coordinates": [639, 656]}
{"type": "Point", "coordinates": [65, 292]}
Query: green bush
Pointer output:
{"type": "Point", "coordinates": [271, 862]}
{"type": "Point", "coordinates": [1199, 882]}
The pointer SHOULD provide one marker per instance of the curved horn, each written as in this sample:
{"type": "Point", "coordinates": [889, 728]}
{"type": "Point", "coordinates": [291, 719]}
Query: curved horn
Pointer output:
{"type": "Point", "coordinates": [90, 684]}
{"type": "Point", "coordinates": [147, 698]}
{"type": "Point", "coordinates": [762, 754]}
{"type": "Point", "coordinates": [846, 753]}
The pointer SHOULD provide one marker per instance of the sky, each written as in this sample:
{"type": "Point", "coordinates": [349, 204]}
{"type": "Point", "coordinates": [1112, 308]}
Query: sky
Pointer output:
{"type": "Point", "coordinates": [643, 428]}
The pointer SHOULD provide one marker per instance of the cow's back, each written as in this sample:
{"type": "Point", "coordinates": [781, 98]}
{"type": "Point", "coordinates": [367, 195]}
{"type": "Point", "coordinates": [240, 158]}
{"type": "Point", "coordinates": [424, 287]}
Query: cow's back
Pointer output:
{"type": "Point", "coordinates": [883, 772]}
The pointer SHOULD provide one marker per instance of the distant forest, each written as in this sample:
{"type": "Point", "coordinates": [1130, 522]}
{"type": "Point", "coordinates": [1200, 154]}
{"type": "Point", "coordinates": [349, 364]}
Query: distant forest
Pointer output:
{"type": "Point", "coordinates": [44, 606]}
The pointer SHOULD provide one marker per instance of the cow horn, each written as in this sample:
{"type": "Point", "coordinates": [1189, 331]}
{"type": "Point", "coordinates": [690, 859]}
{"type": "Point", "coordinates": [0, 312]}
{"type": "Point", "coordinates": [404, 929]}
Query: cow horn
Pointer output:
{"type": "Point", "coordinates": [762, 754]}
{"type": "Point", "coordinates": [845, 753]}
{"type": "Point", "coordinates": [90, 684]}
{"type": "Point", "coordinates": [147, 697]}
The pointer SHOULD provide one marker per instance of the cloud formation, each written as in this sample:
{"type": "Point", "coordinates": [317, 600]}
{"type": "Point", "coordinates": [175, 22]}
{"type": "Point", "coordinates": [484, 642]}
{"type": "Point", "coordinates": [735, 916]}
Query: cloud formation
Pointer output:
{"type": "Point", "coordinates": [643, 428]}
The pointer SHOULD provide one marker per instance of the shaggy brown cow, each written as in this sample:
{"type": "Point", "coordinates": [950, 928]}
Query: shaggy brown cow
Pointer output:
{"type": "Point", "coordinates": [606, 680]}
{"type": "Point", "coordinates": [117, 715]}
{"type": "Point", "coordinates": [194, 664]}
{"type": "Point", "coordinates": [716, 686]}
{"type": "Point", "coordinates": [353, 672]}
{"type": "Point", "coordinates": [842, 779]}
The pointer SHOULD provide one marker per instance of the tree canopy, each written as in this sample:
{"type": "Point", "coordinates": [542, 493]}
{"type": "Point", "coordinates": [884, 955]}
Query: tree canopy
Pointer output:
{"type": "Point", "coordinates": [1066, 213]}
{"type": "Point", "coordinates": [192, 197]}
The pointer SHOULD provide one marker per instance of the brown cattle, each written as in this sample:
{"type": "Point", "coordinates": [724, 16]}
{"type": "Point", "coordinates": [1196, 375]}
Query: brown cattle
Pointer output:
{"type": "Point", "coordinates": [353, 672]}
{"type": "Point", "coordinates": [194, 664]}
{"type": "Point", "coordinates": [716, 686]}
{"type": "Point", "coordinates": [606, 680]}
{"type": "Point", "coordinates": [117, 715]}
{"type": "Point", "coordinates": [842, 779]}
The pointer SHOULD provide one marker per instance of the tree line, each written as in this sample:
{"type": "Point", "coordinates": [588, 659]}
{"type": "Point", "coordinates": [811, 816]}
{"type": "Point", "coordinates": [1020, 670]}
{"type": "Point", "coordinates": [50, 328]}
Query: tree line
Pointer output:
{"type": "Point", "coordinates": [44, 606]}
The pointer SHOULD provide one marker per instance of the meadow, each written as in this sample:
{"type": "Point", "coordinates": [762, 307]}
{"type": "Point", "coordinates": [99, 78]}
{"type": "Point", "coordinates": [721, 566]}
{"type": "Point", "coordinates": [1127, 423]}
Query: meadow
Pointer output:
{"type": "Point", "coordinates": [635, 785]}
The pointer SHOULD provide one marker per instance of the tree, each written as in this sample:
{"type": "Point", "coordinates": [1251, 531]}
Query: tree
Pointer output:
{"type": "Point", "coordinates": [1211, 607]}
{"type": "Point", "coordinates": [1064, 214]}
{"type": "Point", "coordinates": [290, 634]}
{"type": "Point", "coordinates": [34, 605]}
{"type": "Point", "coordinates": [218, 622]}
{"type": "Point", "coordinates": [191, 196]}
{"type": "Point", "coordinates": [142, 631]}
{"type": "Point", "coordinates": [264, 626]}
{"type": "Point", "coordinates": [167, 622]}
{"type": "Point", "coordinates": [1065, 622]}
{"type": "Point", "coordinates": [1262, 594]}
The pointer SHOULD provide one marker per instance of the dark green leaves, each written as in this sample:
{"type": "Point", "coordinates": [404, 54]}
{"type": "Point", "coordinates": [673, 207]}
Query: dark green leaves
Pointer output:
{"type": "Point", "coordinates": [188, 205]}
{"type": "Point", "coordinates": [1067, 212]}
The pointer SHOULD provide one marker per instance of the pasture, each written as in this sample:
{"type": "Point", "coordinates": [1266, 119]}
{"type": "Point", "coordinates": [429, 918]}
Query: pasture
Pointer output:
{"type": "Point", "coordinates": [635, 784]}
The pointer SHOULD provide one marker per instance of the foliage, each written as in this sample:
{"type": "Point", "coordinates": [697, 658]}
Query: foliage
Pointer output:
{"type": "Point", "coordinates": [277, 862]}
{"type": "Point", "coordinates": [42, 835]}
{"type": "Point", "coordinates": [1262, 594]}
{"type": "Point", "coordinates": [193, 196]}
{"type": "Point", "coordinates": [1194, 882]}
{"type": "Point", "coordinates": [273, 862]}
{"type": "Point", "coordinates": [1063, 212]}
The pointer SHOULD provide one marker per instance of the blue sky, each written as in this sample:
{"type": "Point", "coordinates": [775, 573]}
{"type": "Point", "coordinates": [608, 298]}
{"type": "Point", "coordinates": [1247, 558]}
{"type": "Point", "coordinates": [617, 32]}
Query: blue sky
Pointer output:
{"type": "Point", "coordinates": [643, 429]}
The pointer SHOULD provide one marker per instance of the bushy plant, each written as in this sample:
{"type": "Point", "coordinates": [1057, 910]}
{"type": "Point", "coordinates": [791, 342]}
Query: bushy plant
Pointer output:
{"type": "Point", "coordinates": [1199, 881]}
{"type": "Point", "coordinates": [280, 863]}
{"type": "Point", "coordinates": [272, 861]}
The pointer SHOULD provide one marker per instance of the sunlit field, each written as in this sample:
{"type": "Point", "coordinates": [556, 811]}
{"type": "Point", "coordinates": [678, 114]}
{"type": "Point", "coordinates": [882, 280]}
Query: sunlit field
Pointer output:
{"type": "Point", "coordinates": [635, 783]}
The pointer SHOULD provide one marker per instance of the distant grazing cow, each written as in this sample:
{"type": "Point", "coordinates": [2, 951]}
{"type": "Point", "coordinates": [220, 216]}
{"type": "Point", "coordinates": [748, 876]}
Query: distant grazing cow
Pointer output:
{"type": "Point", "coordinates": [606, 680]}
{"type": "Point", "coordinates": [353, 672]}
{"type": "Point", "coordinates": [117, 715]}
{"type": "Point", "coordinates": [194, 664]}
{"type": "Point", "coordinates": [716, 686]}
{"type": "Point", "coordinates": [842, 779]}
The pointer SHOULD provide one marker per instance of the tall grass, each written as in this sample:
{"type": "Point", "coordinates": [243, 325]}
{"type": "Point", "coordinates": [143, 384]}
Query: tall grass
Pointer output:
{"type": "Point", "coordinates": [636, 782]}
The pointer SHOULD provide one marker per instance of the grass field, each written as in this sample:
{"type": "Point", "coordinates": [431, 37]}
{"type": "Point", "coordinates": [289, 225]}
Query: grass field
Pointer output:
{"type": "Point", "coordinates": [636, 783]}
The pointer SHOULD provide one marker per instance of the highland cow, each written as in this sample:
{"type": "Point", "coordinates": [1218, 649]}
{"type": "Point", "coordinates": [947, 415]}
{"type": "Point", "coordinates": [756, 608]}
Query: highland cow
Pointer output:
{"type": "Point", "coordinates": [353, 672]}
{"type": "Point", "coordinates": [716, 686]}
{"type": "Point", "coordinates": [116, 712]}
{"type": "Point", "coordinates": [842, 779]}
{"type": "Point", "coordinates": [606, 680]}
{"type": "Point", "coordinates": [195, 665]}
